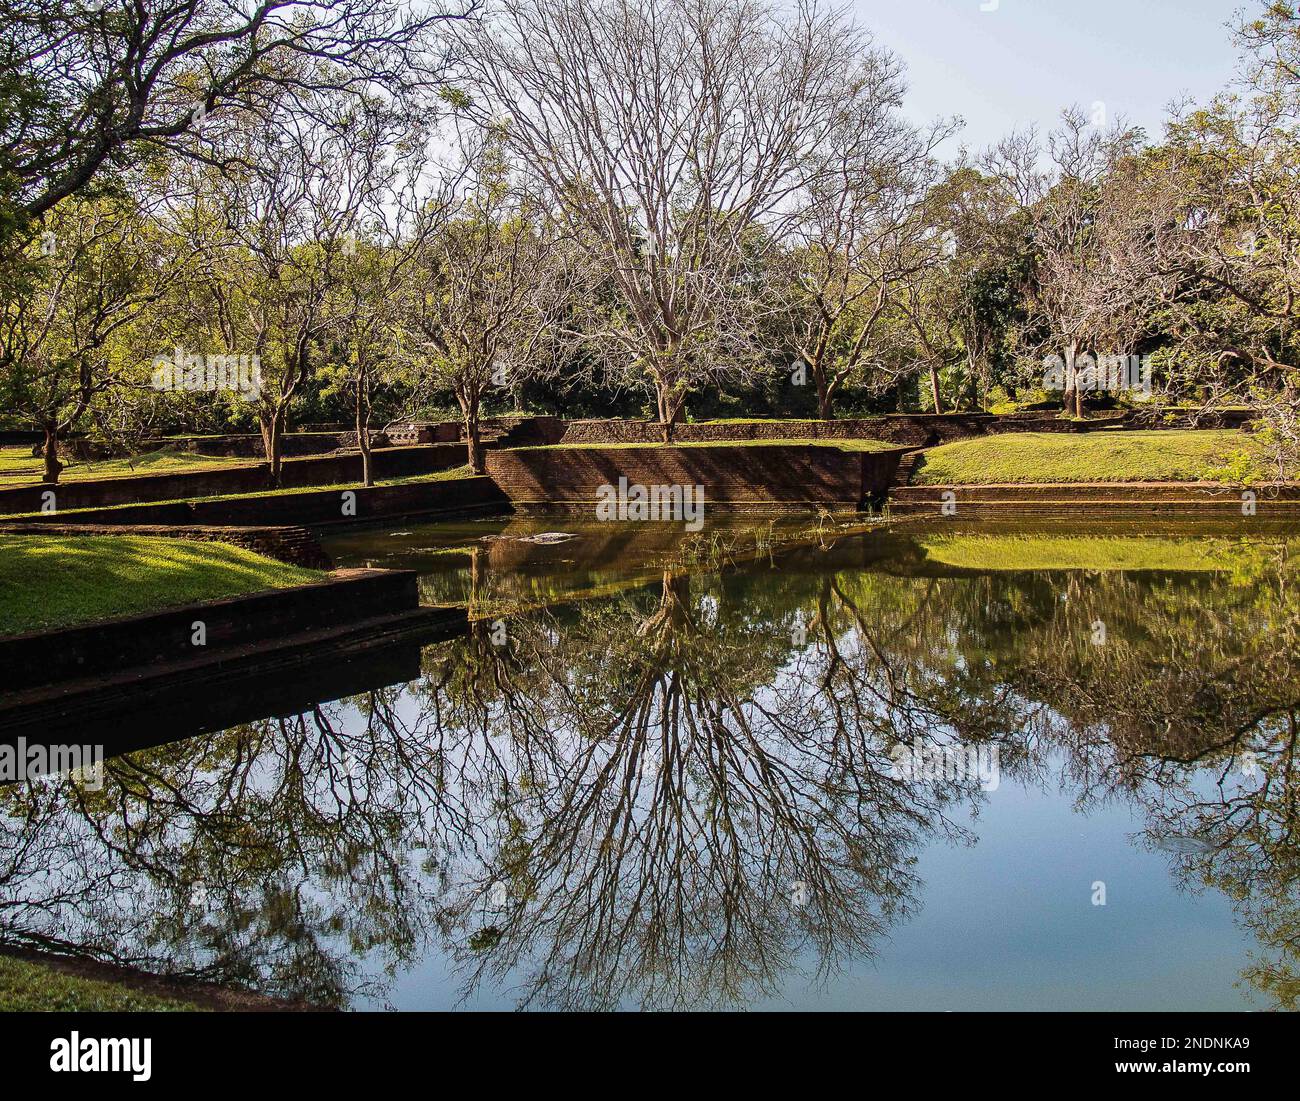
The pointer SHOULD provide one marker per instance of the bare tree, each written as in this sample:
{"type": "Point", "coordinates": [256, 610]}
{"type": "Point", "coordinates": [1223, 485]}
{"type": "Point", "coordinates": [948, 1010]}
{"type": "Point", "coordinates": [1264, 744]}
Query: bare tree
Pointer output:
{"type": "Point", "coordinates": [490, 282]}
{"type": "Point", "coordinates": [274, 235]}
{"type": "Point", "coordinates": [864, 235]}
{"type": "Point", "coordinates": [678, 139]}
{"type": "Point", "coordinates": [1083, 293]}
{"type": "Point", "coordinates": [379, 257]}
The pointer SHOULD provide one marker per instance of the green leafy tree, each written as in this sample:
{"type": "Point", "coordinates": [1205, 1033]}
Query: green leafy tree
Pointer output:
{"type": "Point", "coordinates": [96, 272]}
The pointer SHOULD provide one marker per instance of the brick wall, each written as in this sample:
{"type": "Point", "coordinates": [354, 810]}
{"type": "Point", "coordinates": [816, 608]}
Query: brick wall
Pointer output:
{"type": "Point", "coordinates": [308, 508]}
{"type": "Point", "coordinates": [28, 661]}
{"type": "Point", "coordinates": [915, 430]}
{"type": "Point", "coordinates": [392, 462]}
{"type": "Point", "coordinates": [1070, 498]}
{"type": "Point", "coordinates": [905, 429]}
{"type": "Point", "coordinates": [414, 432]}
{"type": "Point", "coordinates": [530, 431]}
{"type": "Point", "coordinates": [795, 477]}
{"type": "Point", "coordinates": [522, 431]}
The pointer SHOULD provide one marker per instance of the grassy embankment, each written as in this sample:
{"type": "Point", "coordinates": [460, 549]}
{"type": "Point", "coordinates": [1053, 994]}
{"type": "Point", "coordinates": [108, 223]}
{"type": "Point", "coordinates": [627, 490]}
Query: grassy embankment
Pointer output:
{"type": "Point", "coordinates": [19, 467]}
{"type": "Point", "coordinates": [61, 581]}
{"type": "Point", "coordinates": [1018, 458]}
{"type": "Point", "coordinates": [30, 987]}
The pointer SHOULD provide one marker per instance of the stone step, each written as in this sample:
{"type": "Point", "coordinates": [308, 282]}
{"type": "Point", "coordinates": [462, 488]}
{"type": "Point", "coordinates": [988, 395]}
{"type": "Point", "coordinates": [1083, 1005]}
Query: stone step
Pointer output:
{"type": "Point", "coordinates": [906, 465]}
{"type": "Point", "coordinates": [1138, 492]}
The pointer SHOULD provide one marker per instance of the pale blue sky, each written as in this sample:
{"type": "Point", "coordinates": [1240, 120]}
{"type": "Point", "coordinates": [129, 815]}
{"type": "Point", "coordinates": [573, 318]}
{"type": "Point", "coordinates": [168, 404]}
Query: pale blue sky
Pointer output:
{"type": "Point", "coordinates": [1025, 61]}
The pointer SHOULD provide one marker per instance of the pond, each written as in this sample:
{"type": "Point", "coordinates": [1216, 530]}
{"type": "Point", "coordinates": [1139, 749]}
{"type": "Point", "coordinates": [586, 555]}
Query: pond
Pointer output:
{"type": "Point", "coordinates": [764, 765]}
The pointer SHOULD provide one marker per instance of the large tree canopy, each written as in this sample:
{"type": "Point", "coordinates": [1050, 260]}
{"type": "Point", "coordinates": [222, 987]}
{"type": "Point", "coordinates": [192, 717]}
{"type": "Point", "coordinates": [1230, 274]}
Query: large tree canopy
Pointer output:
{"type": "Point", "coordinates": [90, 82]}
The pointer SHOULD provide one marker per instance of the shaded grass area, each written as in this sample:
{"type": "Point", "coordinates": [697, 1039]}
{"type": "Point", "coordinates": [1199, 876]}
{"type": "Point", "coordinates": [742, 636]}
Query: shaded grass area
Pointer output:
{"type": "Point", "coordinates": [62, 581]}
{"type": "Point", "coordinates": [29, 987]}
{"type": "Point", "coordinates": [438, 476]}
{"type": "Point", "coordinates": [1149, 456]}
{"type": "Point", "coordinates": [407, 479]}
{"type": "Point", "coordinates": [1076, 552]}
{"type": "Point", "coordinates": [19, 467]}
{"type": "Point", "coordinates": [841, 445]}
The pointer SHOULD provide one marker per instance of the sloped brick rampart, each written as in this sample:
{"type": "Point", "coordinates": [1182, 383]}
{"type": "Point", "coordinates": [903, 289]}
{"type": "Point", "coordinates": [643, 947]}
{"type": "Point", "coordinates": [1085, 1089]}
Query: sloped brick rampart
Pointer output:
{"type": "Point", "coordinates": [778, 478]}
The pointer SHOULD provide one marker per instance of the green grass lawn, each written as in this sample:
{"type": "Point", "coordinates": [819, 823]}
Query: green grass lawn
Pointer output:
{"type": "Point", "coordinates": [19, 467]}
{"type": "Point", "coordinates": [841, 445]}
{"type": "Point", "coordinates": [1152, 456]}
{"type": "Point", "coordinates": [62, 581]}
{"type": "Point", "coordinates": [29, 987]}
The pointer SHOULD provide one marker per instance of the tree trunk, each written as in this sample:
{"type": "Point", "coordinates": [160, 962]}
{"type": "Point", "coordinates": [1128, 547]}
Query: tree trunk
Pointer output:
{"type": "Point", "coordinates": [934, 390]}
{"type": "Point", "coordinates": [363, 433]}
{"type": "Point", "coordinates": [273, 444]}
{"type": "Point", "coordinates": [1070, 399]}
{"type": "Point", "coordinates": [670, 410]}
{"type": "Point", "coordinates": [473, 444]}
{"type": "Point", "coordinates": [479, 572]}
{"type": "Point", "coordinates": [475, 448]}
{"type": "Point", "coordinates": [824, 411]}
{"type": "Point", "coordinates": [53, 468]}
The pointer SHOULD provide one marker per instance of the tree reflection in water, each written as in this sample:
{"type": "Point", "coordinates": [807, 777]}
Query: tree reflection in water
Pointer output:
{"type": "Point", "coordinates": [675, 795]}
{"type": "Point", "coordinates": [677, 817]}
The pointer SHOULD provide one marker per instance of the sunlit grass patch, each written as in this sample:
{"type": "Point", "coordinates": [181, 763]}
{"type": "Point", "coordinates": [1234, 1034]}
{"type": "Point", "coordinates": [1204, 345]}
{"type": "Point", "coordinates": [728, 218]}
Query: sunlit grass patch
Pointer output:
{"type": "Point", "coordinates": [18, 466]}
{"type": "Point", "coordinates": [30, 987]}
{"type": "Point", "coordinates": [1149, 456]}
{"type": "Point", "coordinates": [61, 581]}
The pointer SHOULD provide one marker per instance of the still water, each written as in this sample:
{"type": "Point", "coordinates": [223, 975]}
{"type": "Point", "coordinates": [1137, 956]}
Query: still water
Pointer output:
{"type": "Point", "coordinates": [760, 766]}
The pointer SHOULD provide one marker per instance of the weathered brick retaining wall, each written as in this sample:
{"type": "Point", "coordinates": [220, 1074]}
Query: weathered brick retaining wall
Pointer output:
{"type": "Point", "coordinates": [910, 429]}
{"type": "Point", "coordinates": [517, 431]}
{"type": "Point", "coordinates": [779, 477]}
{"type": "Point", "coordinates": [298, 546]}
{"type": "Point", "coordinates": [424, 432]}
{"type": "Point", "coordinates": [394, 462]}
{"type": "Point", "coordinates": [32, 660]}
{"type": "Point", "coordinates": [529, 431]}
{"type": "Point", "coordinates": [312, 507]}
{"type": "Point", "coordinates": [236, 687]}
{"type": "Point", "coordinates": [1129, 421]}
{"type": "Point", "coordinates": [1076, 499]}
